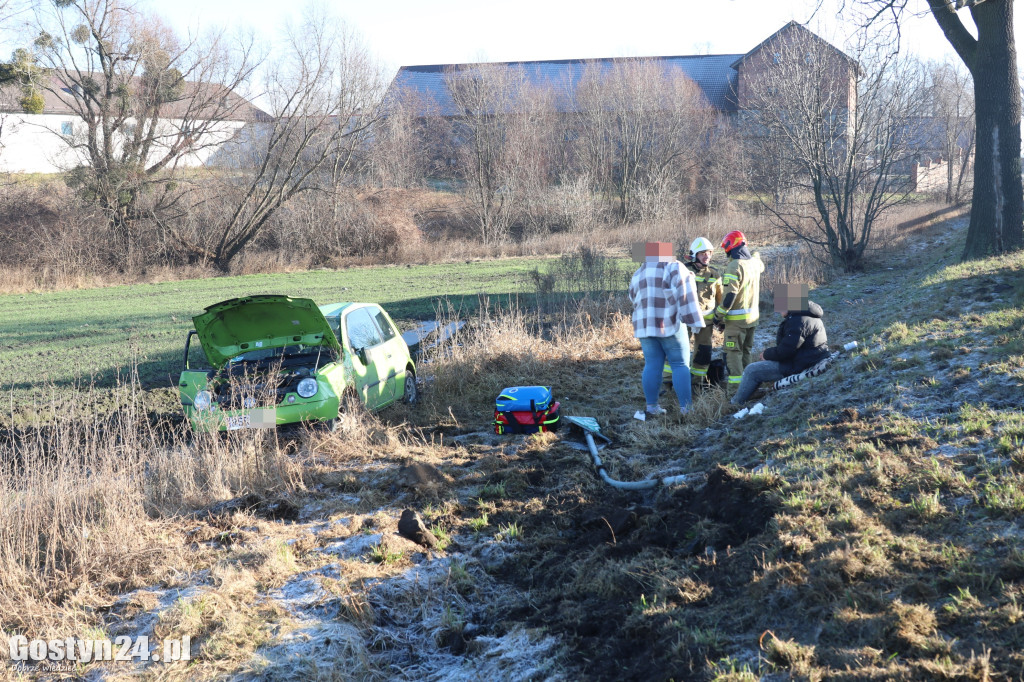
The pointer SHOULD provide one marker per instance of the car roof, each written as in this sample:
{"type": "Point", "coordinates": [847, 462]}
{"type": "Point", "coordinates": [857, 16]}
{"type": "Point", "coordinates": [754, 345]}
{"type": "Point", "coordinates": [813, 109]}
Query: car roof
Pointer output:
{"type": "Point", "coordinates": [335, 309]}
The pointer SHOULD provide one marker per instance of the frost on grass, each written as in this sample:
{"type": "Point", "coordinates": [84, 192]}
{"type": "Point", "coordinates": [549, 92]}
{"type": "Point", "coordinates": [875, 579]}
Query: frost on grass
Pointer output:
{"type": "Point", "coordinates": [411, 625]}
{"type": "Point", "coordinates": [354, 546]}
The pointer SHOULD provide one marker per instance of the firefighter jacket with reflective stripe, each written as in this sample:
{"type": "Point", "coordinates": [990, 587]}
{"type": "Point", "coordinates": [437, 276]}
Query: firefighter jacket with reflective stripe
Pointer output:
{"type": "Point", "coordinates": [742, 278]}
{"type": "Point", "coordinates": [709, 288]}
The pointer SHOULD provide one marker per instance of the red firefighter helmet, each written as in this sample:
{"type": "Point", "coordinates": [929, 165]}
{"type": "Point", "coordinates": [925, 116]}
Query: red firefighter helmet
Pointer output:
{"type": "Point", "coordinates": [732, 240]}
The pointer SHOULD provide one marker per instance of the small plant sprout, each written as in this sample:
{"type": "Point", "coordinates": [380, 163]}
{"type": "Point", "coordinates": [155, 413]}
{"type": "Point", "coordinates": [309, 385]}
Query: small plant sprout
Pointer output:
{"type": "Point", "coordinates": [509, 532]}
{"type": "Point", "coordinates": [443, 538]}
{"type": "Point", "coordinates": [493, 491]}
{"type": "Point", "coordinates": [381, 554]}
{"type": "Point", "coordinates": [452, 619]}
{"type": "Point", "coordinates": [648, 604]}
{"type": "Point", "coordinates": [460, 577]}
{"type": "Point", "coordinates": [927, 505]}
{"type": "Point", "coordinates": [479, 523]}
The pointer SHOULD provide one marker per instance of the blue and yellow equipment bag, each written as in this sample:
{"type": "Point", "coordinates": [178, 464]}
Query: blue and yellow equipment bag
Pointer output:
{"type": "Point", "coordinates": [525, 409]}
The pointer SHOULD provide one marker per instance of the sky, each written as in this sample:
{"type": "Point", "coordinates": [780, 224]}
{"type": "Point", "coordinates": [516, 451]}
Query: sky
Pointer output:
{"type": "Point", "coordinates": [410, 32]}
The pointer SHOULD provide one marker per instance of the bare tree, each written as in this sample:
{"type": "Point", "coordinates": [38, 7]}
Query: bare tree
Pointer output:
{"type": "Point", "coordinates": [146, 100]}
{"type": "Point", "coordinates": [405, 141]}
{"type": "Point", "coordinates": [490, 98]}
{"type": "Point", "coordinates": [839, 166]}
{"type": "Point", "coordinates": [324, 96]}
{"type": "Point", "coordinates": [952, 101]}
{"type": "Point", "coordinates": [997, 208]}
{"type": "Point", "coordinates": [532, 148]}
{"type": "Point", "coordinates": [641, 127]}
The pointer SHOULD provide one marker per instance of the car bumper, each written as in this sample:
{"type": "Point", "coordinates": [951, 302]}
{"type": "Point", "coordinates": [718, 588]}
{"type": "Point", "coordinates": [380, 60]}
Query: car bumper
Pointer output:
{"type": "Point", "coordinates": [262, 417]}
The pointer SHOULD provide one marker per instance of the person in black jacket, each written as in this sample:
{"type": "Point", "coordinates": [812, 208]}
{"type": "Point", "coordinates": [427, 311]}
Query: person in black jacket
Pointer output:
{"type": "Point", "coordinates": [800, 341]}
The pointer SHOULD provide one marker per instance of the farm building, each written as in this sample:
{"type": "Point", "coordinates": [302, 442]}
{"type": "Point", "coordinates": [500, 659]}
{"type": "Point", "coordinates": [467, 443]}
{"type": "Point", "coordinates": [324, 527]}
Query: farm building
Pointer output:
{"type": "Point", "coordinates": [724, 80]}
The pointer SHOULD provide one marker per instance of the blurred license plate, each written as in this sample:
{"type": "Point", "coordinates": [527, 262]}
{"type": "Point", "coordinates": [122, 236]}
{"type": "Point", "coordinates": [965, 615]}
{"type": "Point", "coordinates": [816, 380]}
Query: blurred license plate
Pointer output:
{"type": "Point", "coordinates": [240, 421]}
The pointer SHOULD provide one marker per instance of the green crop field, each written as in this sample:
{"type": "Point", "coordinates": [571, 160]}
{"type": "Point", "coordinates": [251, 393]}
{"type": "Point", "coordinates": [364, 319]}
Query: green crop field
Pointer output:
{"type": "Point", "coordinates": [67, 338]}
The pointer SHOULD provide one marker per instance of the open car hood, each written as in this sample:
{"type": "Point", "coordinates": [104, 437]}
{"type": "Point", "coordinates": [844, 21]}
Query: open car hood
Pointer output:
{"type": "Point", "coordinates": [239, 325]}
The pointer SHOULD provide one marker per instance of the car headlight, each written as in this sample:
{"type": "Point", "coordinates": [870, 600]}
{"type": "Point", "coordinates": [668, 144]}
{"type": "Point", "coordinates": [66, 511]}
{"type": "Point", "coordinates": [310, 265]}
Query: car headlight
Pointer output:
{"type": "Point", "coordinates": [307, 388]}
{"type": "Point", "coordinates": [202, 400]}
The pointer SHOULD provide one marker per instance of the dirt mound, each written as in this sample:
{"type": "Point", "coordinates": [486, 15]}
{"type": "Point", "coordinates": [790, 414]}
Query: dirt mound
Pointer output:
{"type": "Point", "coordinates": [611, 575]}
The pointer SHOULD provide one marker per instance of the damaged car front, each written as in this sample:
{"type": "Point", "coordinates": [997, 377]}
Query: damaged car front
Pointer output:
{"type": "Point", "coordinates": [271, 360]}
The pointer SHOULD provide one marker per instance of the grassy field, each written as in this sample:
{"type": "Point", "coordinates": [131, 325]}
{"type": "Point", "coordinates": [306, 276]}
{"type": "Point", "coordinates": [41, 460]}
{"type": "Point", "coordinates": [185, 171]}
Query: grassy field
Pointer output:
{"type": "Point", "coordinates": [87, 336]}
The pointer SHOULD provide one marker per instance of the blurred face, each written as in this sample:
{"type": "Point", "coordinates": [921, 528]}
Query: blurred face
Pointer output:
{"type": "Point", "coordinates": [703, 257]}
{"type": "Point", "coordinates": [791, 297]}
{"type": "Point", "coordinates": [652, 251]}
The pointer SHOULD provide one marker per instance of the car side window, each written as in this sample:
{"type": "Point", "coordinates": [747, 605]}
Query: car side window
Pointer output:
{"type": "Point", "coordinates": [335, 324]}
{"type": "Point", "coordinates": [362, 333]}
{"type": "Point", "coordinates": [385, 326]}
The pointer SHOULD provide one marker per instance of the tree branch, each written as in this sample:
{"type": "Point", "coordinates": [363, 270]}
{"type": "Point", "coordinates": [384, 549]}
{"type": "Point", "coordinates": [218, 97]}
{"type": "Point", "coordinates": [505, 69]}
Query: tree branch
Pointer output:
{"type": "Point", "coordinates": [953, 28]}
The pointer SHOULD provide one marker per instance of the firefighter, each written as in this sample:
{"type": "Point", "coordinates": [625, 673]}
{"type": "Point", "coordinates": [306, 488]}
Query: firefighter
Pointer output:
{"type": "Point", "coordinates": [709, 295]}
{"type": "Point", "coordinates": [738, 311]}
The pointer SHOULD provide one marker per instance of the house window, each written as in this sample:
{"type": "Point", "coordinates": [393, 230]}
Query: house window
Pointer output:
{"type": "Point", "coordinates": [66, 128]}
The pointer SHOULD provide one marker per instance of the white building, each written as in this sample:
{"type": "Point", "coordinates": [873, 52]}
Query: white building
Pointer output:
{"type": "Point", "coordinates": [55, 140]}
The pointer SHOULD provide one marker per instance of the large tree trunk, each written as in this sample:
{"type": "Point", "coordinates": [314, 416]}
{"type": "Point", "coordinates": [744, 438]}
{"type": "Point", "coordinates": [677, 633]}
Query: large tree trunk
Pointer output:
{"type": "Point", "coordinates": [997, 213]}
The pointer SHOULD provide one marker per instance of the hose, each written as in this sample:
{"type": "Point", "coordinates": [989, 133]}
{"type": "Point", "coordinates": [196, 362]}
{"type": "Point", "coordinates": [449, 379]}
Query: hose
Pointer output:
{"type": "Point", "coordinates": [633, 485]}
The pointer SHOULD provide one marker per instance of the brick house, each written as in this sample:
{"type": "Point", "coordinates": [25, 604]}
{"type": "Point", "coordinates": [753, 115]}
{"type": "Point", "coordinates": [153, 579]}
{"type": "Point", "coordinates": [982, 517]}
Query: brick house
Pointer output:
{"type": "Point", "coordinates": [838, 73]}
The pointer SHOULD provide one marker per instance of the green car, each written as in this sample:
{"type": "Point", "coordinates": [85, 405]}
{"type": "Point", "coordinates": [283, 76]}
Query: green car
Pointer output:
{"type": "Point", "coordinates": [272, 360]}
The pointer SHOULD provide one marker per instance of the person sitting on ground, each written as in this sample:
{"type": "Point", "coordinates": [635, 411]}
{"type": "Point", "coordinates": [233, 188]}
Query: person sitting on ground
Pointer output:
{"type": "Point", "coordinates": [800, 341]}
{"type": "Point", "coordinates": [664, 296]}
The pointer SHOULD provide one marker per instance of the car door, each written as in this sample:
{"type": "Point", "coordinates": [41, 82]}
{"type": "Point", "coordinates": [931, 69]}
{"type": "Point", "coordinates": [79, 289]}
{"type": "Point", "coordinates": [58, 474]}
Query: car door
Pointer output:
{"type": "Point", "coordinates": [362, 342]}
{"type": "Point", "coordinates": [392, 356]}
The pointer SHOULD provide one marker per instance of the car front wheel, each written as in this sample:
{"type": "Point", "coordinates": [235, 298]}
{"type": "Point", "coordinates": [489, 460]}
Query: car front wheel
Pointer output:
{"type": "Point", "coordinates": [411, 391]}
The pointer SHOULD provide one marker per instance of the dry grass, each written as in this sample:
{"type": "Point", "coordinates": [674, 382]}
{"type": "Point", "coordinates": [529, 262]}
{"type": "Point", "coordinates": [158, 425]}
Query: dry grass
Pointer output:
{"type": "Point", "coordinates": [497, 349]}
{"type": "Point", "coordinates": [414, 227]}
{"type": "Point", "coordinates": [400, 226]}
{"type": "Point", "coordinates": [90, 501]}
{"type": "Point", "coordinates": [906, 221]}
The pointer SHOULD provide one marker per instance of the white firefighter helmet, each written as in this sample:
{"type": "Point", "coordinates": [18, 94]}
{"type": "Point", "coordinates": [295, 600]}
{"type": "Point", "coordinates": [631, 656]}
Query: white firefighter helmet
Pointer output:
{"type": "Point", "coordinates": [699, 244]}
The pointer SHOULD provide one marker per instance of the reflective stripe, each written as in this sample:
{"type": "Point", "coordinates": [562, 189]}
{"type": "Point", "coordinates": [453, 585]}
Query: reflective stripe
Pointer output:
{"type": "Point", "coordinates": [734, 380]}
{"type": "Point", "coordinates": [740, 313]}
{"type": "Point", "coordinates": [708, 313]}
{"type": "Point", "coordinates": [729, 277]}
{"type": "Point", "coordinates": [720, 310]}
{"type": "Point", "coordinates": [699, 372]}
